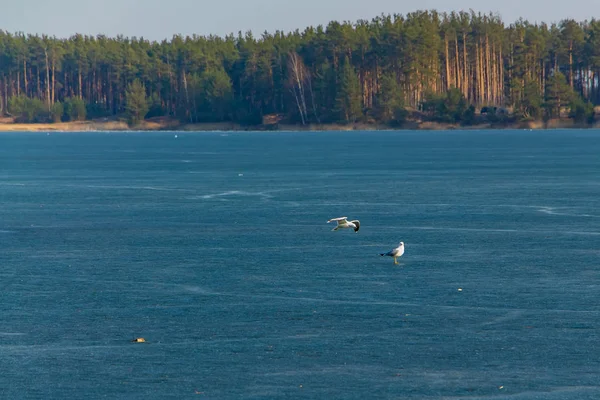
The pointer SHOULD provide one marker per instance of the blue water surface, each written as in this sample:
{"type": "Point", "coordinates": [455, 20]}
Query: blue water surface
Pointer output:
{"type": "Point", "coordinates": [214, 247]}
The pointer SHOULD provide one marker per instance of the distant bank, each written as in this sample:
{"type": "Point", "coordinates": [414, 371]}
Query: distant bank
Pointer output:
{"type": "Point", "coordinates": [174, 125]}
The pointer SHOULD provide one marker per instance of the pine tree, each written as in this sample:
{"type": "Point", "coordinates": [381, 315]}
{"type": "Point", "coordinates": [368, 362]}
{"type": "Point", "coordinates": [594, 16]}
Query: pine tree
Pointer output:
{"type": "Point", "coordinates": [558, 95]}
{"type": "Point", "coordinates": [136, 103]}
{"type": "Point", "coordinates": [390, 101]}
{"type": "Point", "coordinates": [74, 109]}
{"type": "Point", "coordinates": [530, 106]}
{"type": "Point", "coordinates": [348, 97]}
{"type": "Point", "coordinates": [217, 94]}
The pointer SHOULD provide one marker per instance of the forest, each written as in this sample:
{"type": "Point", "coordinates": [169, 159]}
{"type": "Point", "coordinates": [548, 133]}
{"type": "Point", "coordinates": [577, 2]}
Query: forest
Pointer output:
{"type": "Point", "coordinates": [455, 67]}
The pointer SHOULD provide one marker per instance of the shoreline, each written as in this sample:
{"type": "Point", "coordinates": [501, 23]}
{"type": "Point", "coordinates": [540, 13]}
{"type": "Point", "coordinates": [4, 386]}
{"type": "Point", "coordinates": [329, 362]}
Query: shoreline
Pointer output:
{"type": "Point", "coordinates": [175, 126]}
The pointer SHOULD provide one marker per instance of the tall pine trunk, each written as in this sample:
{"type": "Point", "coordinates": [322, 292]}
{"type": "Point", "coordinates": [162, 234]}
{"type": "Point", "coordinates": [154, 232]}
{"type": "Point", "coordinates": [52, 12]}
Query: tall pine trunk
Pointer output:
{"type": "Point", "coordinates": [47, 79]}
{"type": "Point", "coordinates": [465, 68]}
{"type": "Point", "coordinates": [25, 75]}
{"type": "Point", "coordinates": [457, 62]}
{"type": "Point", "coordinates": [447, 54]}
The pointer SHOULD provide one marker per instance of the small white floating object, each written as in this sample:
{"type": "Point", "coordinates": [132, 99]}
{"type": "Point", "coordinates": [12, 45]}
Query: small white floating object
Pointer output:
{"type": "Point", "coordinates": [460, 289]}
{"type": "Point", "coordinates": [175, 136]}
{"type": "Point", "coordinates": [240, 174]}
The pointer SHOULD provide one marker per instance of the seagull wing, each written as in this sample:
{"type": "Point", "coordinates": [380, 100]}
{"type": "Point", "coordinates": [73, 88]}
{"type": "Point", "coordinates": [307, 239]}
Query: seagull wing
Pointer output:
{"type": "Point", "coordinates": [339, 219]}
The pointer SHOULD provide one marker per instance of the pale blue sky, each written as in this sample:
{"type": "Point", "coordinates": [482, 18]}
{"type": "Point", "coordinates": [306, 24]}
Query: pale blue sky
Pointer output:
{"type": "Point", "coordinates": [159, 19]}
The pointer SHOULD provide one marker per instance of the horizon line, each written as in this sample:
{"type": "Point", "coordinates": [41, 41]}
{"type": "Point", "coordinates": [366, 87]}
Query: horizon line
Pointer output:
{"type": "Point", "coordinates": [288, 32]}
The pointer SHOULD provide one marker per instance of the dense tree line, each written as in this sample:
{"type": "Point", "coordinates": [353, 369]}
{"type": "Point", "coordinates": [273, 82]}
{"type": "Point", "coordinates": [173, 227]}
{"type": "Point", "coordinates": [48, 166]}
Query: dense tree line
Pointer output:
{"type": "Point", "coordinates": [447, 66]}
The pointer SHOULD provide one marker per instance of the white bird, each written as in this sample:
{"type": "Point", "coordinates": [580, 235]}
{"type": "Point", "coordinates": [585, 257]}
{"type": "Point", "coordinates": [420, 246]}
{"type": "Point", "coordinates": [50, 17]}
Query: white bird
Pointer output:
{"type": "Point", "coordinates": [342, 222]}
{"type": "Point", "coordinates": [397, 252]}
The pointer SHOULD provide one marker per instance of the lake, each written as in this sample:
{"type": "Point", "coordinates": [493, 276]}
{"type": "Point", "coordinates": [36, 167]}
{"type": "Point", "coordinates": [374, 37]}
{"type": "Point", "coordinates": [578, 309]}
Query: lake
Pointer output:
{"type": "Point", "coordinates": [214, 248]}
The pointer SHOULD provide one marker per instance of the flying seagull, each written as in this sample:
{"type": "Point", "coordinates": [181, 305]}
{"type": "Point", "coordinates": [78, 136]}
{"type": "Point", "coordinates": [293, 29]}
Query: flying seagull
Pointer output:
{"type": "Point", "coordinates": [397, 252]}
{"type": "Point", "coordinates": [342, 222]}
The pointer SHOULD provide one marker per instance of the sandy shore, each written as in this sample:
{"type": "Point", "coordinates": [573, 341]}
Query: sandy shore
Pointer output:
{"type": "Point", "coordinates": [164, 124]}
{"type": "Point", "coordinates": [112, 125]}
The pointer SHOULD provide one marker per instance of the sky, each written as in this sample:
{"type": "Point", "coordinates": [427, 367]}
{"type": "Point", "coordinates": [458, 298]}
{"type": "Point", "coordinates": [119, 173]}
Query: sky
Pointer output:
{"type": "Point", "coordinates": [161, 19]}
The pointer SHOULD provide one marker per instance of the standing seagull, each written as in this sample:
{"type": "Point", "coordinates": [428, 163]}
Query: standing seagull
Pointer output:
{"type": "Point", "coordinates": [397, 252]}
{"type": "Point", "coordinates": [342, 222]}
